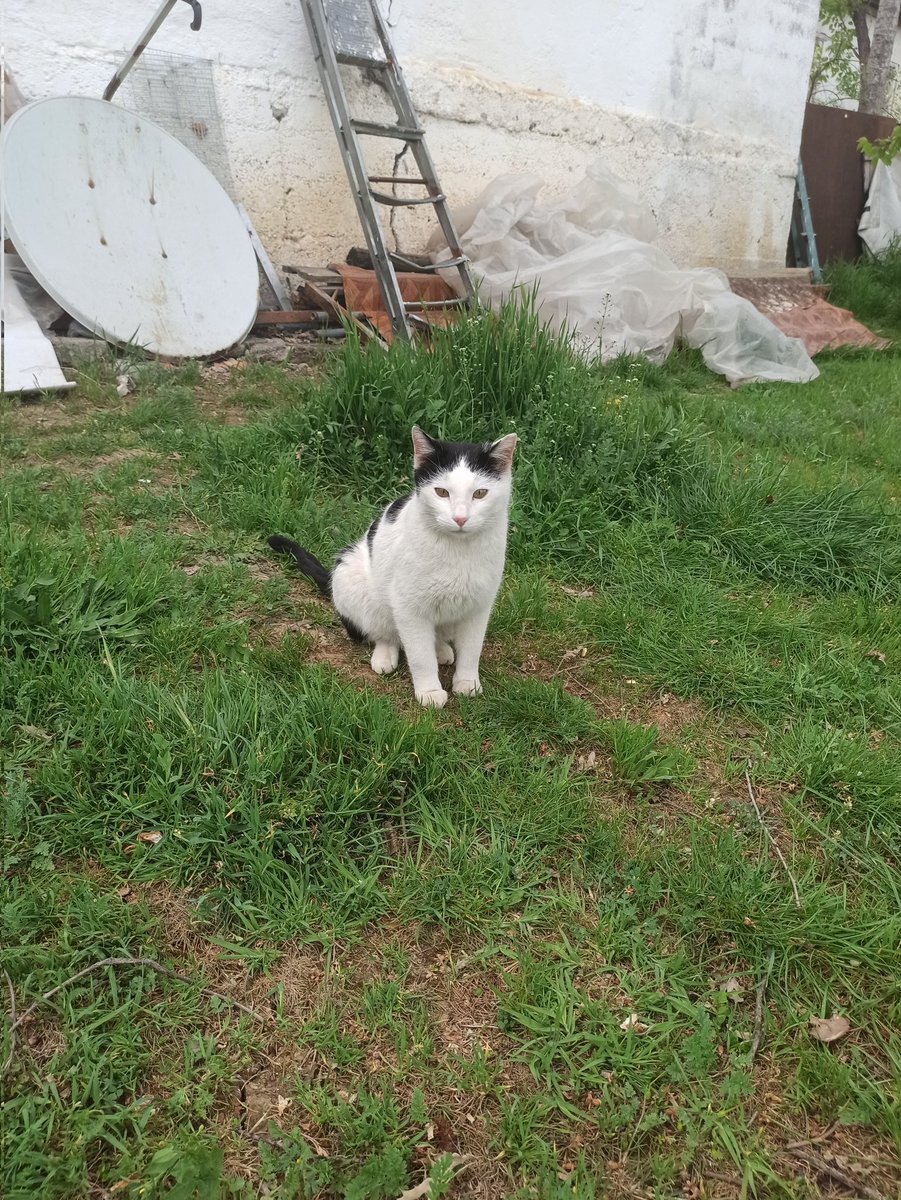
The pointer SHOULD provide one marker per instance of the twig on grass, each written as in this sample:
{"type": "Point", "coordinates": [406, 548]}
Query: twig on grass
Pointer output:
{"type": "Point", "coordinates": [120, 962]}
{"type": "Point", "coordinates": [12, 1026]}
{"type": "Point", "coordinates": [835, 1174]}
{"type": "Point", "coordinates": [770, 837]}
{"type": "Point", "coordinates": [814, 1141]}
{"type": "Point", "coordinates": [762, 985]}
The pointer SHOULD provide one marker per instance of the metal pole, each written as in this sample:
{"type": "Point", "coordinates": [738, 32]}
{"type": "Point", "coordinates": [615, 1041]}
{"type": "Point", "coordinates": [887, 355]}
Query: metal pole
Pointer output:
{"type": "Point", "coordinates": [813, 257]}
{"type": "Point", "coordinates": [144, 41]}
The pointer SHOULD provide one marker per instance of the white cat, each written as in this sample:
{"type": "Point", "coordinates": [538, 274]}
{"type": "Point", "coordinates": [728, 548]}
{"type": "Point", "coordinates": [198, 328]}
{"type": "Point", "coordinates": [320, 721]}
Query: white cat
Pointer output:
{"type": "Point", "coordinates": [426, 573]}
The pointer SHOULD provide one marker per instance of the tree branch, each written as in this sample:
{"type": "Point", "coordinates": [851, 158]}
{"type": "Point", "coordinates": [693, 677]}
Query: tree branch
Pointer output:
{"type": "Point", "coordinates": [862, 30]}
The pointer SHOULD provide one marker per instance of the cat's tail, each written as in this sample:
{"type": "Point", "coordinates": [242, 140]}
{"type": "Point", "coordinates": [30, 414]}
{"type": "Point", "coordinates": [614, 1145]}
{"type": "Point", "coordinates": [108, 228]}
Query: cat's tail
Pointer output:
{"type": "Point", "coordinates": [308, 564]}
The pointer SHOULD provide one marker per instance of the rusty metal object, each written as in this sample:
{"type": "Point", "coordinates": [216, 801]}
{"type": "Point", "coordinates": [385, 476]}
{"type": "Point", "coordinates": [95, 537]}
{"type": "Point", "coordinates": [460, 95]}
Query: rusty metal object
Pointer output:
{"type": "Point", "coordinates": [800, 309]}
{"type": "Point", "coordinates": [362, 294]}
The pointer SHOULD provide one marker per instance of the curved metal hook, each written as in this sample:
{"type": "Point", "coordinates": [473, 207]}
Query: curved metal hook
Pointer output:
{"type": "Point", "coordinates": [198, 15]}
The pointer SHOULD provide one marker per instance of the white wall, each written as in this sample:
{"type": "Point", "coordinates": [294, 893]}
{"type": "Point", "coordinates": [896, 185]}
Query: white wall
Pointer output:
{"type": "Point", "coordinates": [700, 102]}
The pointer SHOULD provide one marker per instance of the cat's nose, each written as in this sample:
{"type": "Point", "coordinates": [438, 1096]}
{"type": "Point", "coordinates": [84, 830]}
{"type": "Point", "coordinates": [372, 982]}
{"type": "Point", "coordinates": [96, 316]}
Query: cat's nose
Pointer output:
{"type": "Point", "coordinates": [461, 521]}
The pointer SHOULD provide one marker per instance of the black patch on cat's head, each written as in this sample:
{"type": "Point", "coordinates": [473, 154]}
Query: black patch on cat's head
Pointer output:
{"type": "Point", "coordinates": [444, 456]}
{"type": "Point", "coordinates": [392, 512]}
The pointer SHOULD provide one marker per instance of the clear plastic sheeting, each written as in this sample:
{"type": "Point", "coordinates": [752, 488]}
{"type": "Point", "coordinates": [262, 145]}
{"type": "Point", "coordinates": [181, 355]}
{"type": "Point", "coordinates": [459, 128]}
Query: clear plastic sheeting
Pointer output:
{"type": "Point", "coordinates": [592, 261]}
{"type": "Point", "coordinates": [880, 222]}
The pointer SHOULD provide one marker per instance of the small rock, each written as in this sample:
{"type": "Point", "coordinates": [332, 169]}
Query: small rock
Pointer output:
{"type": "Point", "coordinates": [271, 350]}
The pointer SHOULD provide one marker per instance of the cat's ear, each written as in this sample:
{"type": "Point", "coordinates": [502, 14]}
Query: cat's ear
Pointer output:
{"type": "Point", "coordinates": [423, 447]}
{"type": "Point", "coordinates": [502, 451]}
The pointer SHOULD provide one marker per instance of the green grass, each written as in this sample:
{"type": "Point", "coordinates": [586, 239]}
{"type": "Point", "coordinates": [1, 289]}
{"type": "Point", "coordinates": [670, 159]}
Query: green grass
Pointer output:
{"type": "Point", "coordinates": [446, 921]}
{"type": "Point", "coordinates": [870, 288]}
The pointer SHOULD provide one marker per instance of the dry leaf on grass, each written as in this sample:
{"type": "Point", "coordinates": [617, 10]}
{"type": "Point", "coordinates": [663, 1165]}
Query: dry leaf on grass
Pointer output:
{"type": "Point", "coordinates": [877, 654]}
{"type": "Point", "coordinates": [829, 1029]}
{"type": "Point", "coordinates": [576, 652]}
{"type": "Point", "coordinates": [283, 1103]}
{"type": "Point", "coordinates": [150, 839]}
{"type": "Point", "coordinates": [633, 1024]}
{"type": "Point", "coordinates": [35, 731]}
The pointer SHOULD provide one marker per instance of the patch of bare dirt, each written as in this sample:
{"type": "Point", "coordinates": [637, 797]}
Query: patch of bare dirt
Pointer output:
{"type": "Point", "coordinates": [115, 458]}
{"type": "Point", "coordinates": [461, 991]}
{"type": "Point", "coordinates": [462, 1009]}
{"type": "Point", "coordinates": [187, 525]}
{"type": "Point", "coordinates": [203, 561]}
{"type": "Point", "coordinates": [669, 713]}
{"type": "Point", "coordinates": [43, 1039]}
{"type": "Point", "coordinates": [328, 644]}
{"type": "Point", "coordinates": [44, 416]}
{"type": "Point", "coordinates": [214, 395]}
{"type": "Point", "coordinates": [262, 569]}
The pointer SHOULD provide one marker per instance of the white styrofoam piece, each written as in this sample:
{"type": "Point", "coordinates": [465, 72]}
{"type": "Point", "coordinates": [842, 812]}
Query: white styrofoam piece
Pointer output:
{"type": "Point", "coordinates": [126, 229]}
{"type": "Point", "coordinates": [27, 359]}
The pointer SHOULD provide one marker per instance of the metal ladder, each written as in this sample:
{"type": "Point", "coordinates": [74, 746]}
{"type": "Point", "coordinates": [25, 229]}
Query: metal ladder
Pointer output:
{"type": "Point", "coordinates": [353, 33]}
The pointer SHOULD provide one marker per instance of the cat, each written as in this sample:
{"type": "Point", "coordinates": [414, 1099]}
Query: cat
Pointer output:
{"type": "Point", "coordinates": [424, 576]}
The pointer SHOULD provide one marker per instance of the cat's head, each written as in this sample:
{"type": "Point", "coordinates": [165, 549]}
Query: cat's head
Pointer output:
{"type": "Point", "coordinates": [463, 487]}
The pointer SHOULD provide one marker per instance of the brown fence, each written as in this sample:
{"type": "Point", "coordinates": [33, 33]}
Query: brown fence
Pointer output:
{"type": "Point", "coordinates": [833, 170]}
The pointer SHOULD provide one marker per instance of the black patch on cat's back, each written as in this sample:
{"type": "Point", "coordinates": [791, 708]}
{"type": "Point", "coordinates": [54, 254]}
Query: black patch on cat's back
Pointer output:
{"type": "Point", "coordinates": [443, 456]}
{"type": "Point", "coordinates": [393, 511]}
{"type": "Point", "coordinates": [371, 532]}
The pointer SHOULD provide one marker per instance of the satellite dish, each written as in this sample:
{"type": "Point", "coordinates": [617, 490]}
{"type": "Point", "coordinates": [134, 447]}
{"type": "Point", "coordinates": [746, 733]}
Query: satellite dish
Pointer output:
{"type": "Point", "coordinates": [126, 229]}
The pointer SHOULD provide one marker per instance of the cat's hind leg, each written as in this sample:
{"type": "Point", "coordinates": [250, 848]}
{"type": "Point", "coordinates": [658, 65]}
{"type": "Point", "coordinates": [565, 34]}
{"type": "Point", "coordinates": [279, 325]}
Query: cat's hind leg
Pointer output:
{"type": "Point", "coordinates": [443, 648]}
{"type": "Point", "coordinates": [385, 657]}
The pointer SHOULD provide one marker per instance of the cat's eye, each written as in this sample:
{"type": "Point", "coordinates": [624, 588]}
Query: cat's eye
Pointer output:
{"type": "Point", "coordinates": [480, 493]}
{"type": "Point", "coordinates": [442, 492]}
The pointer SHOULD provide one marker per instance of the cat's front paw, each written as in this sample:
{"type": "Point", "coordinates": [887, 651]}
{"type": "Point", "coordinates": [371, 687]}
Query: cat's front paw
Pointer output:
{"type": "Point", "coordinates": [468, 687]}
{"type": "Point", "coordinates": [436, 698]}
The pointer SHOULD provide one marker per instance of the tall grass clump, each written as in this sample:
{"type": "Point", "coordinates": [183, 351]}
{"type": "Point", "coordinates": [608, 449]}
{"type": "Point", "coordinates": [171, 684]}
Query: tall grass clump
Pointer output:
{"type": "Point", "coordinates": [870, 287]}
{"type": "Point", "coordinates": [601, 444]}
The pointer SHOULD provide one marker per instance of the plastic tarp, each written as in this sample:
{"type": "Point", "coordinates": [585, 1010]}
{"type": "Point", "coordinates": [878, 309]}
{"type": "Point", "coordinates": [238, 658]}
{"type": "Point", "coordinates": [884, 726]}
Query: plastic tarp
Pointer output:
{"type": "Point", "coordinates": [880, 222]}
{"type": "Point", "coordinates": [592, 259]}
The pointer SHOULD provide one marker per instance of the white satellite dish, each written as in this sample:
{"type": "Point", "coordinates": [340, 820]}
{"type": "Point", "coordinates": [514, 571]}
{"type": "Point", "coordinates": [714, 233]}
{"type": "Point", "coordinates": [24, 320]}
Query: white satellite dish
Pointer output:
{"type": "Point", "coordinates": [126, 229]}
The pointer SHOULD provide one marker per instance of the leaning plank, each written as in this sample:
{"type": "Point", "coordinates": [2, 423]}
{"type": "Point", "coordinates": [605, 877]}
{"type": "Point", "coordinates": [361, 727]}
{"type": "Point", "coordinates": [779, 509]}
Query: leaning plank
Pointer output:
{"type": "Point", "coordinates": [27, 360]}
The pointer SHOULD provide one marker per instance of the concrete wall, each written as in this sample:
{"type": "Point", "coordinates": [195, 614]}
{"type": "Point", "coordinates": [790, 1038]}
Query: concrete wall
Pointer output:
{"type": "Point", "coordinates": [699, 102]}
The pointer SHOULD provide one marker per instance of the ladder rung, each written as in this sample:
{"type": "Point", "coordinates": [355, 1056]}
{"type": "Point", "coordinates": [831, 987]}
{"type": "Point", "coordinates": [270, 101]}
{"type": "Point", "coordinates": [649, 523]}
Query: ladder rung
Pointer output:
{"type": "Point", "coordinates": [389, 131]}
{"type": "Point", "coordinates": [365, 58]}
{"type": "Point", "coordinates": [399, 201]}
{"type": "Point", "coordinates": [416, 305]}
{"type": "Point", "coordinates": [396, 179]}
{"type": "Point", "coordinates": [430, 270]}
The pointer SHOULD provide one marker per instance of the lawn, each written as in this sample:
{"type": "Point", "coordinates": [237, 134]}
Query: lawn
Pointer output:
{"type": "Point", "coordinates": [568, 939]}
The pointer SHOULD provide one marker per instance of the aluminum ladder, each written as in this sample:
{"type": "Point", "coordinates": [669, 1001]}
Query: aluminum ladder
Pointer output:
{"type": "Point", "coordinates": [353, 33]}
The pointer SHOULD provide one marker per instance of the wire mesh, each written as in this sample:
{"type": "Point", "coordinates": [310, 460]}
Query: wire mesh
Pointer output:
{"type": "Point", "coordinates": [178, 93]}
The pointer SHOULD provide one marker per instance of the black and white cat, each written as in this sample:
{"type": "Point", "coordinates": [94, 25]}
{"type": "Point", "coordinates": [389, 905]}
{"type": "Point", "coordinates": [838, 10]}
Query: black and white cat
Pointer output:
{"type": "Point", "coordinates": [426, 573]}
